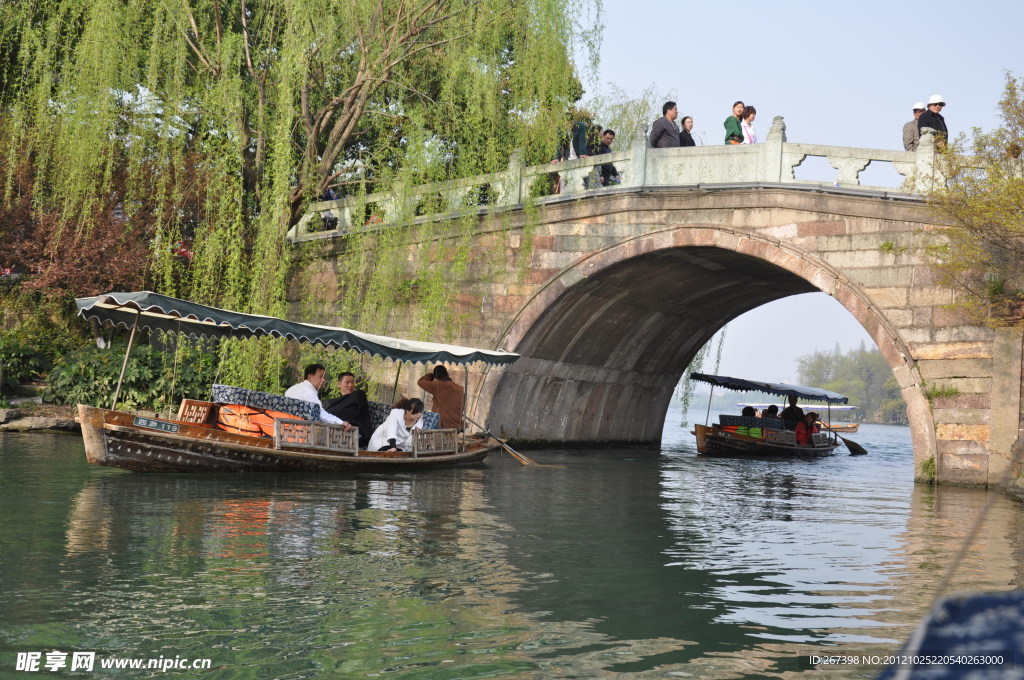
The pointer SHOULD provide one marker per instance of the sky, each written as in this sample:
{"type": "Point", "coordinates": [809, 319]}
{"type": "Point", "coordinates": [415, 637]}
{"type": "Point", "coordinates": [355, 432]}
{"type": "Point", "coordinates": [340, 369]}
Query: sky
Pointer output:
{"type": "Point", "coordinates": [841, 73]}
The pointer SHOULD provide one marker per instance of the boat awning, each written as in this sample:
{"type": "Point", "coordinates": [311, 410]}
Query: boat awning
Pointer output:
{"type": "Point", "coordinates": [162, 313]}
{"type": "Point", "coordinates": [780, 389]}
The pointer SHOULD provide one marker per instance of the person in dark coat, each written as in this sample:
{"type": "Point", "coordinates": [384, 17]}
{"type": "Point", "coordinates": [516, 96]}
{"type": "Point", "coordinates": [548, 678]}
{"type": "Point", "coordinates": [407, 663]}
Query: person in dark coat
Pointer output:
{"type": "Point", "coordinates": [609, 175]}
{"type": "Point", "coordinates": [352, 407]}
{"type": "Point", "coordinates": [685, 139]}
{"type": "Point", "coordinates": [932, 118]}
{"type": "Point", "coordinates": [664, 133]}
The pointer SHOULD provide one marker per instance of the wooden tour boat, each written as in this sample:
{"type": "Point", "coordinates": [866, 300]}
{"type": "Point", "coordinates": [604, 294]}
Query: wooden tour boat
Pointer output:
{"type": "Point", "coordinates": [745, 436]}
{"type": "Point", "coordinates": [284, 432]}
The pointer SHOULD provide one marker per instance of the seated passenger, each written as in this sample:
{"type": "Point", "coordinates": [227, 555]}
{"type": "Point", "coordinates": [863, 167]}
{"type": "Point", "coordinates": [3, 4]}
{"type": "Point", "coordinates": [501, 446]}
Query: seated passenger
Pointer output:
{"type": "Point", "coordinates": [309, 390]}
{"type": "Point", "coordinates": [749, 411]}
{"type": "Point", "coordinates": [792, 414]}
{"type": "Point", "coordinates": [805, 428]}
{"type": "Point", "coordinates": [352, 407]}
{"type": "Point", "coordinates": [395, 433]}
{"type": "Point", "coordinates": [770, 412]}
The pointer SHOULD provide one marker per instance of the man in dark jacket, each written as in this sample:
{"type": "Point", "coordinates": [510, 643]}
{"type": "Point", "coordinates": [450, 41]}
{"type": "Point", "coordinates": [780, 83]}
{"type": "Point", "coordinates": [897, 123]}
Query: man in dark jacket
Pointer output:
{"type": "Point", "coordinates": [932, 118]}
{"type": "Point", "coordinates": [664, 133]}
{"type": "Point", "coordinates": [609, 175]}
{"type": "Point", "coordinates": [352, 407]}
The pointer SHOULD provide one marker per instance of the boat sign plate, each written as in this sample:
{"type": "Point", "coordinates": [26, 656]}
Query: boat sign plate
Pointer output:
{"type": "Point", "coordinates": [152, 424]}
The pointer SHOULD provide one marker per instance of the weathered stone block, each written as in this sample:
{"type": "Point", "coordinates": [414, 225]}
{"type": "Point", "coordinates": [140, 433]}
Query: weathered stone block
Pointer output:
{"type": "Point", "coordinates": [953, 350]}
{"type": "Point", "coordinates": [965, 385]}
{"type": "Point", "coordinates": [885, 277]}
{"type": "Point", "coordinates": [962, 416]}
{"type": "Point", "coordinates": [957, 431]}
{"type": "Point", "coordinates": [890, 296]}
{"type": "Point", "coordinates": [945, 316]}
{"type": "Point", "coordinates": [963, 468]}
{"type": "Point", "coordinates": [941, 369]}
{"type": "Point", "coordinates": [929, 295]}
{"type": "Point", "coordinates": [965, 401]}
{"type": "Point", "coordinates": [783, 232]}
{"type": "Point", "coordinates": [821, 228]}
{"type": "Point", "coordinates": [963, 334]}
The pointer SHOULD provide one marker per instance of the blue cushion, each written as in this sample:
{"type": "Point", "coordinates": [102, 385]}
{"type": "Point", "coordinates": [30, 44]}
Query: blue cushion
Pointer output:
{"type": "Point", "coordinates": [227, 394]}
{"type": "Point", "coordinates": [751, 421]}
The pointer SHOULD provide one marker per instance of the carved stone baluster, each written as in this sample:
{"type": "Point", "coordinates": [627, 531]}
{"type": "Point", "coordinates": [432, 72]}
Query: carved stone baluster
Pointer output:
{"type": "Point", "coordinates": [509, 189]}
{"type": "Point", "coordinates": [849, 169]}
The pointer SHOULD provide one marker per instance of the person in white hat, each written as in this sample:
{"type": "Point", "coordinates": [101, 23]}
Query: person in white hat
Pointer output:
{"type": "Point", "coordinates": [932, 118]}
{"type": "Point", "coordinates": [911, 135]}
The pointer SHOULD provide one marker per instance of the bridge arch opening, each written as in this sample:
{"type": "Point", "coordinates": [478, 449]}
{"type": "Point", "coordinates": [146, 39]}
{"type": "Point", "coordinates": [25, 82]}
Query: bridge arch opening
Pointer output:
{"type": "Point", "coordinates": [604, 345]}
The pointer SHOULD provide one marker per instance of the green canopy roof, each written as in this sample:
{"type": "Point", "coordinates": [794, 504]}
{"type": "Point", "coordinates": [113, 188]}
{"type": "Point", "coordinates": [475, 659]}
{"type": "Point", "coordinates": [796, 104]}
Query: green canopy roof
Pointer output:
{"type": "Point", "coordinates": [160, 312]}
{"type": "Point", "coordinates": [780, 389]}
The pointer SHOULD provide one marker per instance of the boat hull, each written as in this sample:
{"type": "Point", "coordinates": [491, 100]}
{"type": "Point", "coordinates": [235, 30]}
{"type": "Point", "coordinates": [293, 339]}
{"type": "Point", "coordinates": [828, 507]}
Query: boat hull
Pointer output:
{"type": "Point", "coordinates": [114, 439]}
{"type": "Point", "coordinates": [710, 443]}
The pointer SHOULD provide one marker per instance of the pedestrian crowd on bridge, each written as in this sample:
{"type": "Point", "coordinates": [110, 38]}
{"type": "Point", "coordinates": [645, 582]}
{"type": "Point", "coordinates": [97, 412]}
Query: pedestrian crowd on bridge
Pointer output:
{"type": "Point", "coordinates": [583, 139]}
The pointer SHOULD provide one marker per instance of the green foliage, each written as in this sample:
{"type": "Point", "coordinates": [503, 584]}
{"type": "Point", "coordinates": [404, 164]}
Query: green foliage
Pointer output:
{"type": "Point", "coordinates": [153, 380]}
{"type": "Point", "coordinates": [980, 254]}
{"type": "Point", "coordinates": [216, 122]}
{"type": "Point", "coordinates": [28, 352]}
{"type": "Point", "coordinates": [861, 374]}
{"type": "Point", "coordinates": [927, 470]}
{"type": "Point", "coordinates": [933, 392]}
{"type": "Point", "coordinates": [891, 248]}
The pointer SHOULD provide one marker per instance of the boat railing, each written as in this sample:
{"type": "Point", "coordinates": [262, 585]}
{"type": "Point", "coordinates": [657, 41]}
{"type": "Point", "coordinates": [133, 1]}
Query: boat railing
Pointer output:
{"type": "Point", "coordinates": [433, 442]}
{"type": "Point", "coordinates": [308, 434]}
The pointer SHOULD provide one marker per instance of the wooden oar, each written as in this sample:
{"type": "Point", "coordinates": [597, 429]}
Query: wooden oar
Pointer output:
{"type": "Point", "coordinates": [525, 460]}
{"type": "Point", "coordinates": [855, 448]}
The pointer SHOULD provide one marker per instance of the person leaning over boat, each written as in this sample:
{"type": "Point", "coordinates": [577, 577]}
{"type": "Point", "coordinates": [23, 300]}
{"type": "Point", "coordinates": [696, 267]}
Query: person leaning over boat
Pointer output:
{"type": "Point", "coordinates": [352, 407]}
{"type": "Point", "coordinates": [449, 396]}
{"type": "Point", "coordinates": [805, 428]}
{"type": "Point", "coordinates": [395, 433]}
{"type": "Point", "coordinates": [309, 390]}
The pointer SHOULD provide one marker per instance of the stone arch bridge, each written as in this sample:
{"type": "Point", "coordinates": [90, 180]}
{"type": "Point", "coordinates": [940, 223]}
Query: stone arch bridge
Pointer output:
{"type": "Point", "coordinates": [625, 284]}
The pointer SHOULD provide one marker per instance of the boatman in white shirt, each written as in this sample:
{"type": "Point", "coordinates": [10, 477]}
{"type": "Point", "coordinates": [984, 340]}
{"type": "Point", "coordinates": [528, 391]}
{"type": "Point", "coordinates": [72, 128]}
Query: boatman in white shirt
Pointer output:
{"type": "Point", "coordinates": [309, 390]}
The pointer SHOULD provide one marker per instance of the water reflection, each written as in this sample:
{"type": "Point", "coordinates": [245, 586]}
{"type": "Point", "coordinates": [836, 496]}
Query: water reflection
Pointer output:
{"type": "Point", "coordinates": [625, 563]}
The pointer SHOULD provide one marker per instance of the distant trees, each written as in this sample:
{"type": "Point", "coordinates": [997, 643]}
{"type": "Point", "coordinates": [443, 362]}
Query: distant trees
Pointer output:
{"type": "Point", "coordinates": [862, 375]}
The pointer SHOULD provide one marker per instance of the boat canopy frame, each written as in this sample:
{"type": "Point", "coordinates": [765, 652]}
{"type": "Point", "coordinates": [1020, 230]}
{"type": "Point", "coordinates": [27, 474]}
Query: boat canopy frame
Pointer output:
{"type": "Point", "coordinates": [778, 389]}
{"type": "Point", "coordinates": [156, 312]}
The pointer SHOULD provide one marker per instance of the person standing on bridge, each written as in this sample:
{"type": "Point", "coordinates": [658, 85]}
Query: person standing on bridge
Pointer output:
{"type": "Point", "coordinates": [733, 130]}
{"type": "Point", "coordinates": [685, 138]}
{"type": "Point", "coordinates": [608, 174]}
{"type": "Point", "coordinates": [449, 396]}
{"type": "Point", "coordinates": [932, 118]}
{"type": "Point", "coordinates": [747, 126]}
{"type": "Point", "coordinates": [664, 133]}
{"type": "Point", "coordinates": [911, 135]}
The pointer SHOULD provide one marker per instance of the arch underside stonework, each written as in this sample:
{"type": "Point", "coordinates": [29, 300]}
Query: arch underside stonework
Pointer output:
{"type": "Point", "coordinates": [603, 353]}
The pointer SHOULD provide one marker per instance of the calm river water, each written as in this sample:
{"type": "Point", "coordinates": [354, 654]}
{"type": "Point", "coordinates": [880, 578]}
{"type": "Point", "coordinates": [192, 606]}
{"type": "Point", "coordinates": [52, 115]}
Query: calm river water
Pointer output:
{"type": "Point", "coordinates": [630, 564]}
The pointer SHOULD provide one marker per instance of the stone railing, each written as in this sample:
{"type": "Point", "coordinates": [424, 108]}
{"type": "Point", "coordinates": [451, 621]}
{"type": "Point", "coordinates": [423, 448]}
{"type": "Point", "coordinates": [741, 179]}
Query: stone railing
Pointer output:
{"type": "Point", "coordinates": [773, 162]}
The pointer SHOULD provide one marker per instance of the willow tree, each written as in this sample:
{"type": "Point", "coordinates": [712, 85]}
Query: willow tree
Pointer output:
{"type": "Point", "coordinates": [208, 125]}
{"type": "Point", "coordinates": [981, 254]}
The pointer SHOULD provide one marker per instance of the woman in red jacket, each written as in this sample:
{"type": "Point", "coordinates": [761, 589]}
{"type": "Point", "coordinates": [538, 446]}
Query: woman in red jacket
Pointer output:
{"type": "Point", "coordinates": [805, 428]}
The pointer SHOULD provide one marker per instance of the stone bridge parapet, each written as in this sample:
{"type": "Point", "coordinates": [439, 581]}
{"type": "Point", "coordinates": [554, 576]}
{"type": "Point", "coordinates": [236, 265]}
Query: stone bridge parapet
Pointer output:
{"type": "Point", "coordinates": [705, 167]}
